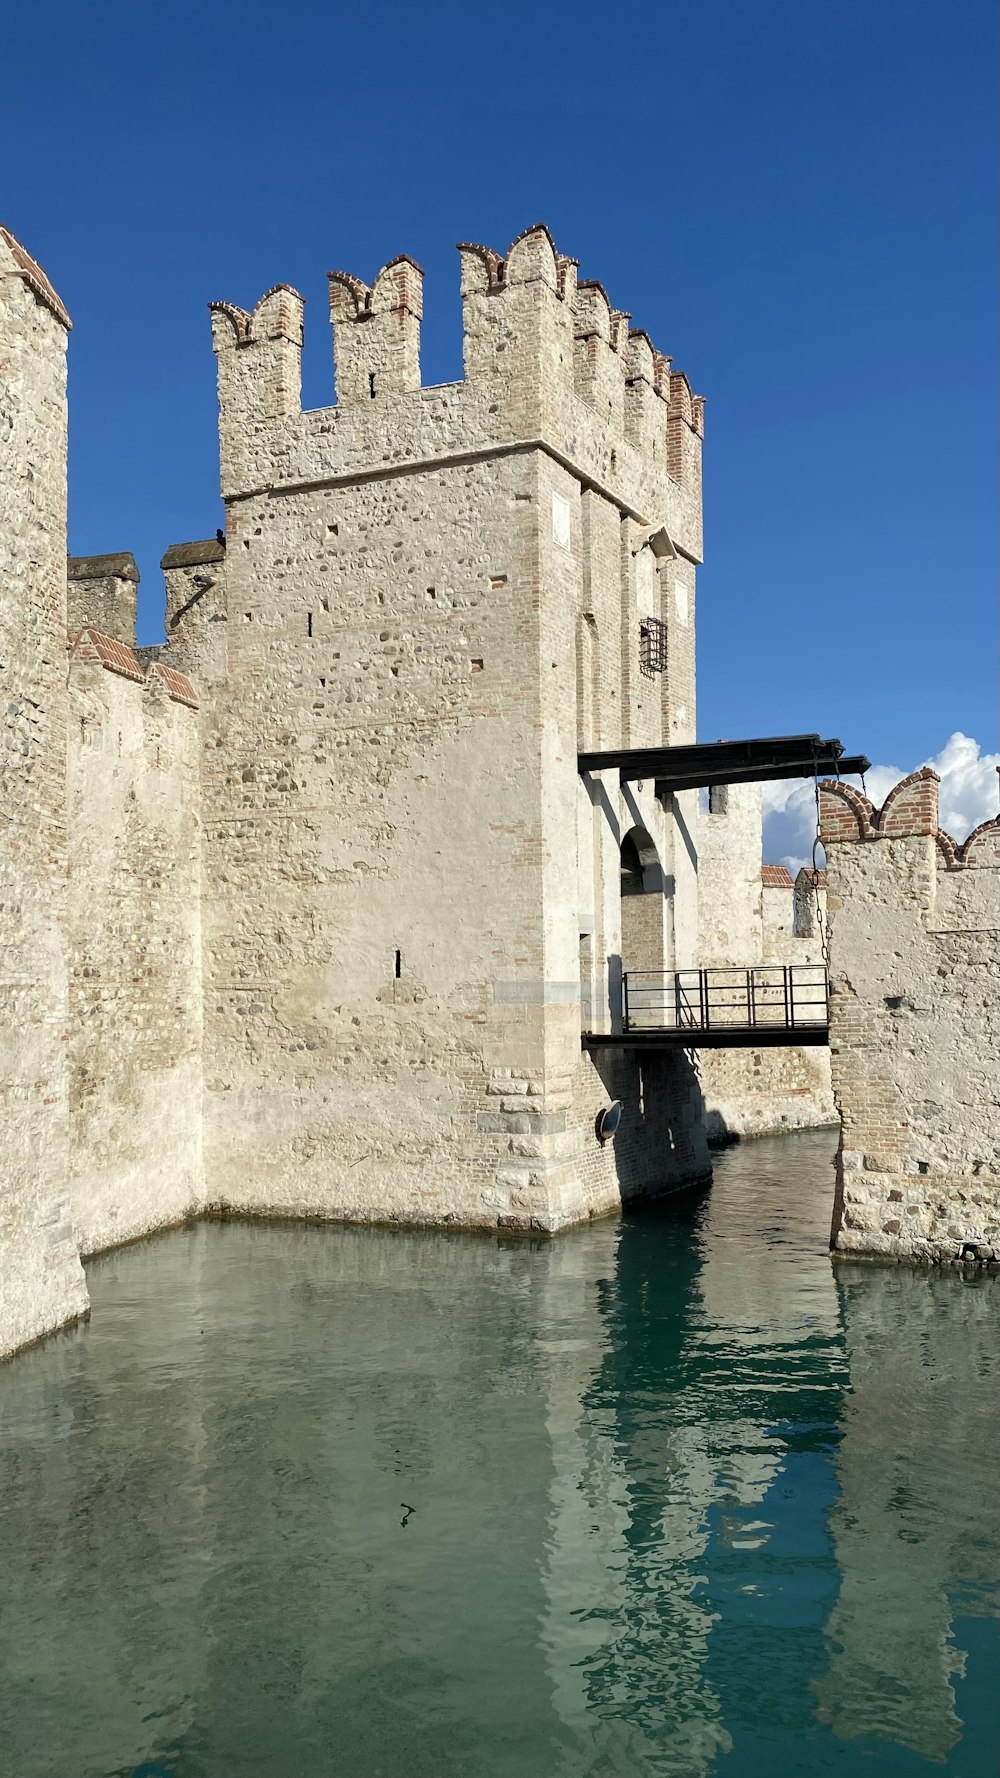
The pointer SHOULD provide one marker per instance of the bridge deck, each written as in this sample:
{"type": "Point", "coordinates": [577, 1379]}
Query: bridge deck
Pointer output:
{"type": "Point", "coordinates": [692, 1037]}
{"type": "Point", "coordinates": [760, 1007]}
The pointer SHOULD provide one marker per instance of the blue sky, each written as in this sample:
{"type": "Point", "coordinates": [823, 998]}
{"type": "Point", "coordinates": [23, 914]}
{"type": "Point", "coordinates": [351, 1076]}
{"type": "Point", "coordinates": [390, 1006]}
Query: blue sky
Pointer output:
{"type": "Point", "coordinates": [796, 201]}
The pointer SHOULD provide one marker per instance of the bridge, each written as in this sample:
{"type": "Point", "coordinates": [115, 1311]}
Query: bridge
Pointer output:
{"type": "Point", "coordinates": [759, 1007]}
{"type": "Point", "coordinates": [702, 765]}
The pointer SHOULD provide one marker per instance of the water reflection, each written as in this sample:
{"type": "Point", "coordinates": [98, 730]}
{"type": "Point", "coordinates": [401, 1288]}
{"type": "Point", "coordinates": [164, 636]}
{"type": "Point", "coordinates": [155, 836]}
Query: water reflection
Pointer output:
{"type": "Point", "coordinates": [722, 1375]}
{"type": "Point", "coordinates": [667, 1497]}
{"type": "Point", "coordinates": [916, 1524]}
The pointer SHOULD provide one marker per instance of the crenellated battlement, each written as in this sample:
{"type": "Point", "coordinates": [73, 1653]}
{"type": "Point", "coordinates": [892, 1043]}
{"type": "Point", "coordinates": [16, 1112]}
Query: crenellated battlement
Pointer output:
{"type": "Point", "coordinates": [259, 358]}
{"type": "Point", "coordinates": [601, 352]}
{"type": "Point", "coordinates": [531, 256]}
{"type": "Point", "coordinates": [910, 811]}
{"type": "Point", "coordinates": [277, 315]}
{"type": "Point", "coordinates": [547, 359]}
{"type": "Point", "coordinates": [376, 331]}
{"type": "Point", "coordinates": [595, 316]}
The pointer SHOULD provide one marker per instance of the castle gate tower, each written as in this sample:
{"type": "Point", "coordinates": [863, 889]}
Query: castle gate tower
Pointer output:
{"type": "Point", "coordinates": [433, 598]}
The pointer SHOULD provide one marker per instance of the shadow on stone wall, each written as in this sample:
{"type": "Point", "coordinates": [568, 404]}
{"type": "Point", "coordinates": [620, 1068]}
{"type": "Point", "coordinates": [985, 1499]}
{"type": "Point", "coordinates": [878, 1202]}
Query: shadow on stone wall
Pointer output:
{"type": "Point", "coordinates": [718, 1133]}
{"type": "Point", "coordinates": [660, 1144]}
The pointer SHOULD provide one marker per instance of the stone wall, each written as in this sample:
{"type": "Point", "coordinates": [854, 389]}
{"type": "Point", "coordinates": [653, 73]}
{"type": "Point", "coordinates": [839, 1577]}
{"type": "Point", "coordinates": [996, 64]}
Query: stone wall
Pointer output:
{"type": "Point", "coordinates": [41, 1279]}
{"type": "Point", "coordinates": [730, 904]}
{"type": "Point", "coordinates": [410, 898]}
{"type": "Point", "coordinates": [197, 614]}
{"type": "Point", "coordinates": [765, 1092]}
{"type": "Point", "coordinates": [102, 590]}
{"type": "Point", "coordinates": [134, 930]}
{"type": "Point", "coordinates": [100, 1012]}
{"type": "Point", "coordinates": [914, 1025]}
{"type": "Point", "coordinates": [747, 916]}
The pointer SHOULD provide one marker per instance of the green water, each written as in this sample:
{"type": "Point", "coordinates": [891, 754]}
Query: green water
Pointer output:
{"type": "Point", "coordinates": [673, 1495]}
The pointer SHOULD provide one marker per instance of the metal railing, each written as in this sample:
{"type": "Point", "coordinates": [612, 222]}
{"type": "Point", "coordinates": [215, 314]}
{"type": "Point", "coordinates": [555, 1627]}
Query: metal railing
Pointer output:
{"type": "Point", "coordinates": [769, 995]}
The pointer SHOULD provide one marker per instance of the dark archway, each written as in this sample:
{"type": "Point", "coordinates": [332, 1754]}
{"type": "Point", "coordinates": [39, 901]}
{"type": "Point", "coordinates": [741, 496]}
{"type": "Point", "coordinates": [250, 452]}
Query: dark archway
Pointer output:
{"type": "Point", "coordinates": [642, 906]}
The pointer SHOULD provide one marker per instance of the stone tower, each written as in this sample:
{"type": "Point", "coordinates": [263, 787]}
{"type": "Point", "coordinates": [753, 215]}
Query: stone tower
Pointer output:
{"type": "Point", "coordinates": [41, 1278]}
{"type": "Point", "coordinates": [430, 599]}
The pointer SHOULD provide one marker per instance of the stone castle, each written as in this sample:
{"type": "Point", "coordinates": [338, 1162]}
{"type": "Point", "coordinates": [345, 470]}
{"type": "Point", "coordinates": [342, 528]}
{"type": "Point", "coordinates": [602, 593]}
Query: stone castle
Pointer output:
{"type": "Point", "coordinates": [305, 909]}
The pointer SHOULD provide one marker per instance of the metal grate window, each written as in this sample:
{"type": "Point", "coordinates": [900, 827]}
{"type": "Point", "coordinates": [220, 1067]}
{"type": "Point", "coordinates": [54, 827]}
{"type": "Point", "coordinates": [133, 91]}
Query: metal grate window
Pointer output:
{"type": "Point", "coordinates": [652, 646]}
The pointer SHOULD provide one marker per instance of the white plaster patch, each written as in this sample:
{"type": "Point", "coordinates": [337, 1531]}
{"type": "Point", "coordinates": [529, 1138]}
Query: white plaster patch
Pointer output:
{"type": "Point", "coordinates": [561, 524]}
{"type": "Point", "coordinates": [645, 584]}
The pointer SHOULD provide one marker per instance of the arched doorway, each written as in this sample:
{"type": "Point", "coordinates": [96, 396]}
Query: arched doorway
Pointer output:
{"type": "Point", "coordinates": [642, 903]}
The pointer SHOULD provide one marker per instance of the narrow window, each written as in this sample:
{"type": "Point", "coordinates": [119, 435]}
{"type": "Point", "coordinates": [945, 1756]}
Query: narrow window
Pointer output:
{"type": "Point", "coordinates": [371, 384]}
{"type": "Point", "coordinates": [309, 623]}
{"type": "Point", "coordinates": [399, 964]}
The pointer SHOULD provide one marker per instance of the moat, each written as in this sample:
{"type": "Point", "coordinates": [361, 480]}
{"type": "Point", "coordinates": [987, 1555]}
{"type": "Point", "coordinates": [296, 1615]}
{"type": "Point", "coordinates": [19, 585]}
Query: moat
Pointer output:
{"type": "Point", "coordinates": [671, 1495]}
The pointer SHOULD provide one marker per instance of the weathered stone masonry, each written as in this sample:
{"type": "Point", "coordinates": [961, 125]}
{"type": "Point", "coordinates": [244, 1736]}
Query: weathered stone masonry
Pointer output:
{"type": "Point", "coordinates": [431, 596]}
{"type": "Point", "coordinates": [334, 920]}
{"type": "Point", "coordinates": [134, 931]}
{"type": "Point", "coordinates": [100, 1005]}
{"type": "Point", "coordinates": [914, 1025]}
{"type": "Point", "coordinates": [306, 909]}
{"type": "Point", "coordinates": [41, 1278]}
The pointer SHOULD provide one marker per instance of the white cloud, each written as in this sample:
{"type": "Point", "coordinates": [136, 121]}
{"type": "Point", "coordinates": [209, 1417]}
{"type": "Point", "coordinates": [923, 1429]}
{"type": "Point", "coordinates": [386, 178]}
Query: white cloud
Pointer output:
{"type": "Point", "coordinates": [968, 796]}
